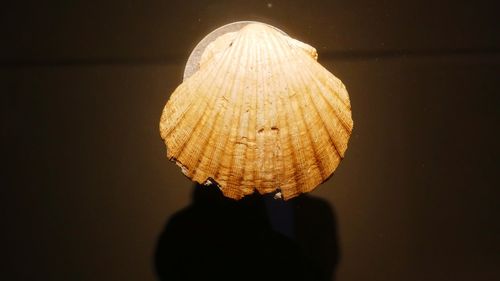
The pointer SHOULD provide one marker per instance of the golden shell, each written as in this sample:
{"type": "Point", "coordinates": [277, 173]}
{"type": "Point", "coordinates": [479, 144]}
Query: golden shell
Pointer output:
{"type": "Point", "coordinates": [260, 113]}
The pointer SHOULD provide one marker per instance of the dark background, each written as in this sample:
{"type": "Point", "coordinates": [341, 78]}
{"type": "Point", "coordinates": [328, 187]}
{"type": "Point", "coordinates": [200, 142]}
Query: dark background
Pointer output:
{"type": "Point", "coordinates": [86, 187]}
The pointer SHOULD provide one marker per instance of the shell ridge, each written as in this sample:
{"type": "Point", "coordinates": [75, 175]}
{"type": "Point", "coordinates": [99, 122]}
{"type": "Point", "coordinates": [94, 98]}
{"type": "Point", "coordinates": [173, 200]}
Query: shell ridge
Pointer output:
{"type": "Point", "coordinates": [187, 146]}
{"type": "Point", "coordinates": [211, 53]}
{"type": "Point", "coordinates": [165, 129]}
{"type": "Point", "coordinates": [218, 170]}
{"type": "Point", "coordinates": [197, 123]}
{"type": "Point", "coordinates": [327, 97]}
{"type": "Point", "coordinates": [249, 169]}
{"type": "Point", "coordinates": [273, 126]}
{"type": "Point", "coordinates": [344, 121]}
{"type": "Point", "coordinates": [255, 171]}
{"type": "Point", "coordinates": [285, 186]}
{"type": "Point", "coordinates": [266, 183]}
{"type": "Point", "coordinates": [302, 121]}
{"type": "Point", "coordinates": [278, 155]}
{"type": "Point", "coordinates": [216, 113]}
{"type": "Point", "coordinates": [211, 85]}
{"type": "Point", "coordinates": [343, 127]}
{"type": "Point", "coordinates": [237, 176]}
{"type": "Point", "coordinates": [332, 139]}
{"type": "Point", "coordinates": [269, 177]}
{"type": "Point", "coordinates": [260, 152]}
{"type": "Point", "coordinates": [291, 127]}
{"type": "Point", "coordinates": [250, 62]}
{"type": "Point", "coordinates": [341, 94]}
{"type": "Point", "coordinates": [305, 91]}
{"type": "Point", "coordinates": [322, 93]}
{"type": "Point", "coordinates": [297, 141]}
{"type": "Point", "coordinates": [332, 79]}
{"type": "Point", "coordinates": [252, 126]}
{"type": "Point", "coordinates": [228, 134]}
{"type": "Point", "coordinates": [177, 132]}
{"type": "Point", "coordinates": [286, 143]}
{"type": "Point", "coordinates": [321, 117]}
{"type": "Point", "coordinates": [183, 94]}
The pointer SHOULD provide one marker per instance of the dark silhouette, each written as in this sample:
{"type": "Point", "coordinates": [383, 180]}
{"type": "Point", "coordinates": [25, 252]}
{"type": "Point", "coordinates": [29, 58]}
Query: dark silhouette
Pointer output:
{"type": "Point", "coordinates": [256, 238]}
{"type": "Point", "coordinates": [316, 233]}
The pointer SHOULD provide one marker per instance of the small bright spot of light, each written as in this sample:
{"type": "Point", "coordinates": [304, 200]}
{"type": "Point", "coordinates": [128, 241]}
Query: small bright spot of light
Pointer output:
{"type": "Point", "coordinates": [269, 5]}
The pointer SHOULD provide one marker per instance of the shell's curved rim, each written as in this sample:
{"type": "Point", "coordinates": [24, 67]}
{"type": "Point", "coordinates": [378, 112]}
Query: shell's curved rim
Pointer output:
{"type": "Point", "coordinates": [230, 173]}
{"type": "Point", "coordinates": [193, 63]}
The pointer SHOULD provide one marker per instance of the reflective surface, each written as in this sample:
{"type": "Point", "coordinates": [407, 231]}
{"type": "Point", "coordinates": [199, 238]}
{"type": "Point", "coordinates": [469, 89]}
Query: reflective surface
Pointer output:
{"type": "Point", "coordinates": [193, 62]}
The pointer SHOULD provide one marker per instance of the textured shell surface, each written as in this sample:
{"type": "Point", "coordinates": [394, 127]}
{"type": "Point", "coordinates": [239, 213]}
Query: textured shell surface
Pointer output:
{"type": "Point", "coordinates": [260, 114]}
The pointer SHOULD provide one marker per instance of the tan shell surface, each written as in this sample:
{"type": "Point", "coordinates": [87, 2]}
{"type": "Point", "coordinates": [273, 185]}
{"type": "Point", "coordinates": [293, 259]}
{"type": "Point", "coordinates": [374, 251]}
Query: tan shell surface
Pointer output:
{"type": "Point", "coordinates": [260, 114]}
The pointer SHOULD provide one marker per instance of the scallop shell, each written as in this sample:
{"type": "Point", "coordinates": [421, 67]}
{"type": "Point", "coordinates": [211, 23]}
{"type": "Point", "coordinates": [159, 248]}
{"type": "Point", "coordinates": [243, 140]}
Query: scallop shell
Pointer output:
{"type": "Point", "coordinates": [260, 114]}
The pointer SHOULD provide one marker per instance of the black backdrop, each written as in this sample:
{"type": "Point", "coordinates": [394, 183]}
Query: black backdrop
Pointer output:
{"type": "Point", "coordinates": [86, 188]}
